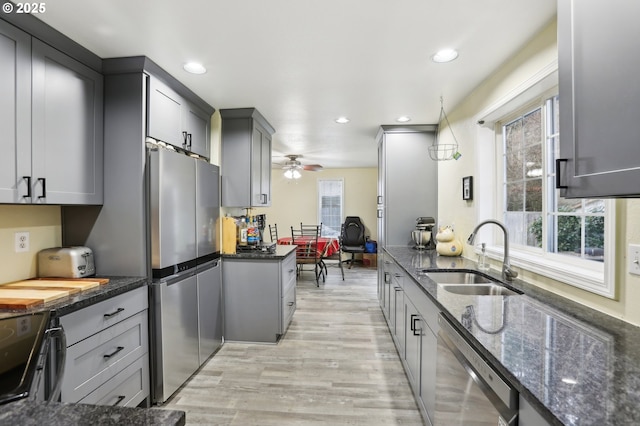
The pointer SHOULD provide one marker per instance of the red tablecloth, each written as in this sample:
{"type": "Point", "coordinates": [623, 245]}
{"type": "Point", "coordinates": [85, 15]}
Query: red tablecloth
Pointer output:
{"type": "Point", "coordinates": [334, 245]}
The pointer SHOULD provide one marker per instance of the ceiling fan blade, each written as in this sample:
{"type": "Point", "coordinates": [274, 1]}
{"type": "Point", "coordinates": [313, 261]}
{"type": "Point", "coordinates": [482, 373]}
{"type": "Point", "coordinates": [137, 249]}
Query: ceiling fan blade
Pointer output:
{"type": "Point", "coordinates": [312, 167]}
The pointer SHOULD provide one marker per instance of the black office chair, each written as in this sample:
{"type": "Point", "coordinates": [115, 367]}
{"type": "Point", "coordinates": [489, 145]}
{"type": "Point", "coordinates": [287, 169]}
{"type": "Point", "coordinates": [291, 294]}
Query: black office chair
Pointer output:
{"type": "Point", "coordinates": [352, 238]}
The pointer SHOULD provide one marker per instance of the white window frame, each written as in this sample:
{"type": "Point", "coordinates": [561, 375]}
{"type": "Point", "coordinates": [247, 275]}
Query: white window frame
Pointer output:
{"type": "Point", "coordinates": [595, 277]}
{"type": "Point", "coordinates": [320, 182]}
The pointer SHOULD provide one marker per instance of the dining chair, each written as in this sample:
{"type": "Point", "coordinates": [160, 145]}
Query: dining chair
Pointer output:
{"type": "Point", "coordinates": [334, 256]}
{"type": "Point", "coordinates": [273, 231]}
{"type": "Point", "coordinates": [307, 252]}
{"type": "Point", "coordinates": [311, 229]}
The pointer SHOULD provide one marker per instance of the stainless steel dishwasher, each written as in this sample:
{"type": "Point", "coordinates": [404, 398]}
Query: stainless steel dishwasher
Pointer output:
{"type": "Point", "coordinates": [468, 390]}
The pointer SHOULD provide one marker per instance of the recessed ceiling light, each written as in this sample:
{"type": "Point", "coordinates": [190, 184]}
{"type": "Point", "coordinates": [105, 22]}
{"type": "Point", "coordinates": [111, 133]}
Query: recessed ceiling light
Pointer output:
{"type": "Point", "coordinates": [194, 68]}
{"type": "Point", "coordinates": [445, 55]}
{"type": "Point", "coordinates": [403, 119]}
{"type": "Point", "coordinates": [342, 120]}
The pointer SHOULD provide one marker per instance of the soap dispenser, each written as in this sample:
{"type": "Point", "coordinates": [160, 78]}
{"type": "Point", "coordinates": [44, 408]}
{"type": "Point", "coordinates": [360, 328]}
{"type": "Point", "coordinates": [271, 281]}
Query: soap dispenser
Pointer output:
{"type": "Point", "coordinates": [483, 261]}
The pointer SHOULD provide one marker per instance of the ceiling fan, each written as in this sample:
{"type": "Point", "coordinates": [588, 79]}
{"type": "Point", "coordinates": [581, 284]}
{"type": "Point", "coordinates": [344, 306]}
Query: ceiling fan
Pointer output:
{"type": "Point", "coordinates": [292, 167]}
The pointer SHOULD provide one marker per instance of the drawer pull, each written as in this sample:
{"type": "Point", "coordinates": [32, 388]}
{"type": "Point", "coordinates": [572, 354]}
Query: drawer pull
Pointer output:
{"type": "Point", "coordinates": [119, 400]}
{"type": "Point", "coordinates": [114, 313]}
{"type": "Point", "coordinates": [291, 303]}
{"type": "Point", "coordinates": [118, 349]}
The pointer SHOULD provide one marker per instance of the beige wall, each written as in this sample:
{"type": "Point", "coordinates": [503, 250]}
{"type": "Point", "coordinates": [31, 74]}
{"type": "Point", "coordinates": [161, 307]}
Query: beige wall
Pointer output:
{"type": "Point", "coordinates": [529, 61]}
{"type": "Point", "coordinates": [295, 201]}
{"type": "Point", "coordinates": [43, 225]}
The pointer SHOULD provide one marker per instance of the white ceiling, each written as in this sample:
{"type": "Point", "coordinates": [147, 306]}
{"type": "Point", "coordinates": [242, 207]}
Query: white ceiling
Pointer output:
{"type": "Point", "coordinates": [305, 63]}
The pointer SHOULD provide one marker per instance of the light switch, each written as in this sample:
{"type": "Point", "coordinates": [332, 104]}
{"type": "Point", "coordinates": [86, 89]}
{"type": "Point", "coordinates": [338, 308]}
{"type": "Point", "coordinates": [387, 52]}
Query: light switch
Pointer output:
{"type": "Point", "coordinates": [633, 259]}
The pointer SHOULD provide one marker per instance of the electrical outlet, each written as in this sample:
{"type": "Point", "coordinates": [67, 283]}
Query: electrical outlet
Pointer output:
{"type": "Point", "coordinates": [21, 242]}
{"type": "Point", "coordinates": [633, 259]}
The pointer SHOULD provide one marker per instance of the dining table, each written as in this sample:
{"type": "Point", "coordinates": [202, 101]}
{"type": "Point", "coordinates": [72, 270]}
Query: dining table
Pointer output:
{"type": "Point", "coordinates": [332, 243]}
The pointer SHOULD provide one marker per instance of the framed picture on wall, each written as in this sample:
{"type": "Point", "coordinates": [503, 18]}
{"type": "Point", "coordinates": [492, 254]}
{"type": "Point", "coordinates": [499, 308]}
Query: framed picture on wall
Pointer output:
{"type": "Point", "coordinates": [467, 188]}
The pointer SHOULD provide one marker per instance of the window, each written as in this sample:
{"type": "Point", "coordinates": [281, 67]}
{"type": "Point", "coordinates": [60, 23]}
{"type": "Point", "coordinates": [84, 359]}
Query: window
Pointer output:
{"type": "Point", "coordinates": [569, 240]}
{"type": "Point", "coordinates": [330, 202]}
{"type": "Point", "coordinates": [573, 227]}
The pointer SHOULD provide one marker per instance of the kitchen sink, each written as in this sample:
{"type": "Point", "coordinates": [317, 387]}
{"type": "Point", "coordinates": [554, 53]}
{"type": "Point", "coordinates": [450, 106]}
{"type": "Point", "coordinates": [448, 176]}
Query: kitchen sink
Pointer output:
{"type": "Point", "coordinates": [458, 277]}
{"type": "Point", "coordinates": [470, 283]}
{"type": "Point", "coordinates": [478, 289]}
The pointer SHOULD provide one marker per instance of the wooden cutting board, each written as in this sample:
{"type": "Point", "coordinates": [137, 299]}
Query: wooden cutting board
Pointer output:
{"type": "Point", "coordinates": [57, 283]}
{"type": "Point", "coordinates": [17, 298]}
{"type": "Point", "coordinates": [99, 280]}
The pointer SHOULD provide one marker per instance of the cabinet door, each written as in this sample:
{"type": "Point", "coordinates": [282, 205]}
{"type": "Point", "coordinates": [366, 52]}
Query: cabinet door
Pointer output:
{"type": "Point", "coordinates": [413, 345]}
{"type": "Point", "coordinates": [599, 98]}
{"type": "Point", "coordinates": [165, 114]}
{"type": "Point", "coordinates": [67, 129]}
{"type": "Point", "coordinates": [429, 350]}
{"type": "Point", "coordinates": [399, 319]}
{"type": "Point", "coordinates": [15, 113]}
{"type": "Point", "coordinates": [197, 125]}
{"type": "Point", "coordinates": [261, 168]}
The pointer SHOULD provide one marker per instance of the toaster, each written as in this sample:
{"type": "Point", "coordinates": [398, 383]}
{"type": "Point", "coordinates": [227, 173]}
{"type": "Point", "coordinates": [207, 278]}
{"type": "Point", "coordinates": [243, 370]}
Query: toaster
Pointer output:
{"type": "Point", "coordinates": [66, 262]}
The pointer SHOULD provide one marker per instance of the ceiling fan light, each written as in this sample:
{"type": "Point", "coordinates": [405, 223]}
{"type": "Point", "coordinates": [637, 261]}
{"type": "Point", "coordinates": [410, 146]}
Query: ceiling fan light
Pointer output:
{"type": "Point", "coordinates": [292, 173]}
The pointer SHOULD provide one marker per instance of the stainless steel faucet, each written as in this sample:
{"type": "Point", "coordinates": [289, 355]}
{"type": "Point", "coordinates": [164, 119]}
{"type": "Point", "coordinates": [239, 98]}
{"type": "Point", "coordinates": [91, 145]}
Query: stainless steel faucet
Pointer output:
{"type": "Point", "coordinates": [508, 274]}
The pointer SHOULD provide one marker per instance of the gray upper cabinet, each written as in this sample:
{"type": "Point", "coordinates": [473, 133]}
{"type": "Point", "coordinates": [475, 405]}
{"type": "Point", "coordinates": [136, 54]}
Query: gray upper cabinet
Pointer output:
{"type": "Point", "coordinates": [67, 129]}
{"type": "Point", "coordinates": [15, 113]}
{"type": "Point", "coordinates": [599, 98]}
{"type": "Point", "coordinates": [246, 158]}
{"type": "Point", "coordinates": [52, 124]}
{"type": "Point", "coordinates": [175, 120]}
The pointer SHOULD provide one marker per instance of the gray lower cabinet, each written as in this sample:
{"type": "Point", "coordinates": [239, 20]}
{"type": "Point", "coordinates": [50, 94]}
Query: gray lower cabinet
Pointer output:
{"type": "Point", "coordinates": [52, 124]}
{"type": "Point", "coordinates": [413, 323]}
{"type": "Point", "coordinates": [599, 98]}
{"type": "Point", "coordinates": [175, 120]}
{"type": "Point", "coordinates": [246, 155]}
{"type": "Point", "coordinates": [527, 415]}
{"type": "Point", "coordinates": [259, 297]}
{"type": "Point", "coordinates": [107, 358]}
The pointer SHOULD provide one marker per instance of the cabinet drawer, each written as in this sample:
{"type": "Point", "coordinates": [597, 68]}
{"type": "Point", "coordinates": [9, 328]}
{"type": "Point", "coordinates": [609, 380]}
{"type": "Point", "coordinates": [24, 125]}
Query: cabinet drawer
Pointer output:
{"type": "Point", "coordinates": [128, 388]}
{"type": "Point", "coordinates": [288, 309]}
{"type": "Point", "coordinates": [90, 320]}
{"type": "Point", "coordinates": [423, 304]}
{"type": "Point", "coordinates": [288, 273]}
{"type": "Point", "coordinates": [93, 361]}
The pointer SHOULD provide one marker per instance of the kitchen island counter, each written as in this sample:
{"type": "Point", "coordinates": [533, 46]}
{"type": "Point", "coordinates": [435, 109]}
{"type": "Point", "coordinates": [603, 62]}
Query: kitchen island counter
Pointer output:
{"type": "Point", "coordinates": [281, 252]}
{"type": "Point", "coordinates": [33, 413]}
{"type": "Point", "coordinates": [575, 364]}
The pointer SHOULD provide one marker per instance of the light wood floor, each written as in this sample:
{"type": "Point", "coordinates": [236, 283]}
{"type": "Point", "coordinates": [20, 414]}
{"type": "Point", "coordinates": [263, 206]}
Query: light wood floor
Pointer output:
{"type": "Point", "coordinates": [336, 365]}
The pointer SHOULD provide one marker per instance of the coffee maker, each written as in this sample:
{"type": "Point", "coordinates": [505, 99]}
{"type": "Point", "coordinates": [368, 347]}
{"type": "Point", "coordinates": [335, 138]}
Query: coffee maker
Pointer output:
{"type": "Point", "coordinates": [422, 236]}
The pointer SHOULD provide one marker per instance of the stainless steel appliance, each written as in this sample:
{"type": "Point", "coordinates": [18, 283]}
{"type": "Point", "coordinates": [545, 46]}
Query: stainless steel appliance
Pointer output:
{"type": "Point", "coordinates": [468, 390]}
{"type": "Point", "coordinates": [25, 342]}
{"type": "Point", "coordinates": [66, 262]}
{"type": "Point", "coordinates": [422, 236]}
{"type": "Point", "coordinates": [186, 291]}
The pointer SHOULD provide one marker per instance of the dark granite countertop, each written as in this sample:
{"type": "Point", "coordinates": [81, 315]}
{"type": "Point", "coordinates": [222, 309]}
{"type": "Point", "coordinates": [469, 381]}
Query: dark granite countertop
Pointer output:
{"type": "Point", "coordinates": [32, 413]}
{"type": "Point", "coordinates": [66, 305]}
{"type": "Point", "coordinates": [282, 251]}
{"type": "Point", "coordinates": [577, 365]}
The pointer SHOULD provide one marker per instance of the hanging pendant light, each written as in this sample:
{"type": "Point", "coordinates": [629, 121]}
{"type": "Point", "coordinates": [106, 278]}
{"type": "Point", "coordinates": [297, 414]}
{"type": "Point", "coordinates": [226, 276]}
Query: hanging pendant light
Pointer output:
{"type": "Point", "coordinates": [444, 151]}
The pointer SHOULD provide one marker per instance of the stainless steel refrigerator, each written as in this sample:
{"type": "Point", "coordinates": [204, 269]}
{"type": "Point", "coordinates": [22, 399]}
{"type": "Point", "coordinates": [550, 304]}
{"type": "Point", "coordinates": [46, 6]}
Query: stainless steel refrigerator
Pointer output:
{"type": "Point", "coordinates": [186, 290]}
